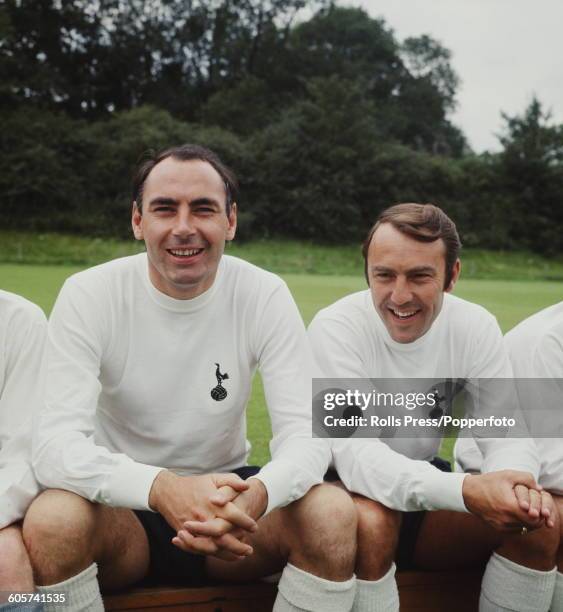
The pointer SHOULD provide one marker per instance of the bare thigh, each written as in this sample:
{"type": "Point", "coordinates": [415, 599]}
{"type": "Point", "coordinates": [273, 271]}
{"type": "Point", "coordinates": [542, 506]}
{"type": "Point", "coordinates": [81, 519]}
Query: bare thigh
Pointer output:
{"type": "Point", "coordinates": [65, 533]}
{"type": "Point", "coordinates": [15, 568]}
{"type": "Point", "coordinates": [123, 554]}
{"type": "Point", "coordinates": [454, 540]}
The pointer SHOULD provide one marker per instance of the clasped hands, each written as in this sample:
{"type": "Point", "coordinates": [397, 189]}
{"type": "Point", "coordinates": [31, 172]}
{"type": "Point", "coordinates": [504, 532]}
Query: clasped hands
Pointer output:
{"type": "Point", "coordinates": [213, 514]}
{"type": "Point", "coordinates": [509, 500]}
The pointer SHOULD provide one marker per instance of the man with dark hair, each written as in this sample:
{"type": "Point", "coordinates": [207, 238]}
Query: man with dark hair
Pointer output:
{"type": "Point", "coordinates": [151, 360]}
{"type": "Point", "coordinates": [408, 325]}
{"type": "Point", "coordinates": [426, 223]}
{"type": "Point", "coordinates": [187, 152]}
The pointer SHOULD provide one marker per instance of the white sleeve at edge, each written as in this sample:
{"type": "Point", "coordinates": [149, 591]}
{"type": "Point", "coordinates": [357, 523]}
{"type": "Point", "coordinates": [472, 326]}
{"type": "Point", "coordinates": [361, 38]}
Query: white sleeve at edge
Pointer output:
{"type": "Point", "coordinates": [64, 453]}
{"type": "Point", "coordinates": [21, 395]}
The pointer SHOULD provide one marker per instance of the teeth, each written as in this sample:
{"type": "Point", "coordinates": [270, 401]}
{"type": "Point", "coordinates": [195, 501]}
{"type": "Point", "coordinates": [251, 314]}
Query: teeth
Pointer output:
{"type": "Point", "coordinates": [403, 315]}
{"type": "Point", "coordinates": [184, 252]}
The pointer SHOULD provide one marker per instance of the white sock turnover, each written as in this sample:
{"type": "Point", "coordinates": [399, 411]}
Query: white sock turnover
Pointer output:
{"type": "Point", "coordinates": [377, 595]}
{"type": "Point", "coordinates": [557, 601]}
{"type": "Point", "coordinates": [298, 590]}
{"type": "Point", "coordinates": [508, 586]}
{"type": "Point", "coordinates": [81, 593]}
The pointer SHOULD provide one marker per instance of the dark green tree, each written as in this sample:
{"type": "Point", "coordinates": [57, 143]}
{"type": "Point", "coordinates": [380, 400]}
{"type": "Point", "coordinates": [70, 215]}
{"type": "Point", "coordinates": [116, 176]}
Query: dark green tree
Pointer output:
{"type": "Point", "coordinates": [531, 173]}
{"type": "Point", "coordinates": [92, 58]}
{"type": "Point", "coordinates": [313, 167]}
{"type": "Point", "coordinates": [427, 96]}
{"type": "Point", "coordinates": [412, 84]}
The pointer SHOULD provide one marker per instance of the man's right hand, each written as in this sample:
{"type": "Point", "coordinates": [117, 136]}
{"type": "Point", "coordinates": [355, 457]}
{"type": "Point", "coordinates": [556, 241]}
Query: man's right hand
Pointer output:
{"type": "Point", "coordinates": [499, 499]}
{"type": "Point", "coordinates": [183, 498]}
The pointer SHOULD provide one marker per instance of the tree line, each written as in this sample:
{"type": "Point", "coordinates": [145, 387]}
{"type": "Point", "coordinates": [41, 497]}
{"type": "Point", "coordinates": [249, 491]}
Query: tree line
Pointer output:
{"type": "Point", "coordinates": [324, 114]}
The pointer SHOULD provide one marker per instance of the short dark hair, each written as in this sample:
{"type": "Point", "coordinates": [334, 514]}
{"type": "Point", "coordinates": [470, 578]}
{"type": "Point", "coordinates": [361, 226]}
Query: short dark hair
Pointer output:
{"type": "Point", "coordinates": [423, 222]}
{"type": "Point", "coordinates": [186, 152]}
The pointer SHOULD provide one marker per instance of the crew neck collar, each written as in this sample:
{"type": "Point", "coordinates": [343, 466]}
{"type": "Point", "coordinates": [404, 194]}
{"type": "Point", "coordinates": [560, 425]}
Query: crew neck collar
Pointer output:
{"type": "Point", "coordinates": [169, 303]}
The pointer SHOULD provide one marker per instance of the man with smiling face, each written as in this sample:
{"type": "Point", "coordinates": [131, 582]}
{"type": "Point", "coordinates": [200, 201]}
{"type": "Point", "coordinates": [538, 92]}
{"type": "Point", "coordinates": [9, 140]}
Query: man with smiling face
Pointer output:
{"type": "Point", "coordinates": [143, 436]}
{"type": "Point", "coordinates": [408, 325]}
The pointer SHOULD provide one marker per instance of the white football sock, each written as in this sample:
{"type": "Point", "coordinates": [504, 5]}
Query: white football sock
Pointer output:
{"type": "Point", "coordinates": [377, 595]}
{"type": "Point", "coordinates": [557, 601]}
{"type": "Point", "coordinates": [508, 586]}
{"type": "Point", "coordinates": [81, 593]}
{"type": "Point", "coordinates": [298, 590]}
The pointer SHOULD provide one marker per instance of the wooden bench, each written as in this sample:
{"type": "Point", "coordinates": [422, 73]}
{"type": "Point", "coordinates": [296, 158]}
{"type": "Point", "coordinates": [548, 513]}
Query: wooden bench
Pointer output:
{"type": "Point", "coordinates": [419, 592]}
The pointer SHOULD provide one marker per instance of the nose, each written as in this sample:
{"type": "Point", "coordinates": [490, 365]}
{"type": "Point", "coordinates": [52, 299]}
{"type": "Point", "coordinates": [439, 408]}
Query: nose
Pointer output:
{"type": "Point", "coordinates": [401, 293]}
{"type": "Point", "coordinates": [183, 223]}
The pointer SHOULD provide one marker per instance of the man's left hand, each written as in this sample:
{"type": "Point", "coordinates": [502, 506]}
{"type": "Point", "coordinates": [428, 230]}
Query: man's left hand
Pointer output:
{"type": "Point", "coordinates": [538, 504]}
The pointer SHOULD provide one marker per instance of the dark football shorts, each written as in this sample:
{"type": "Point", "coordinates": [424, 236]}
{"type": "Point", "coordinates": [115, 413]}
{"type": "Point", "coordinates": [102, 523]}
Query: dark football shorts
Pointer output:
{"type": "Point", "coordinates": [410, 527]}
{"type": "Point", "coordinates": [168, 563]}
{"type": "Point", "coordinates": [410, 524]}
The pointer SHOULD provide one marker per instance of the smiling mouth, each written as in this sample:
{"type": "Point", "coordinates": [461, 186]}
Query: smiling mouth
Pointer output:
{"type": "Point", "coordinates": [185, 252]}
{"type": "Point", "coordinates": [403, 315]}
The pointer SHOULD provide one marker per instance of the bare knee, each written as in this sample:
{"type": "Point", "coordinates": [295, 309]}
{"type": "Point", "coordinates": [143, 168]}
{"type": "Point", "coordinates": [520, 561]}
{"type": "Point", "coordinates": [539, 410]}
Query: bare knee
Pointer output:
{"type": "Point", "coordinates": [378, 534]}
{"type": "Point", "coordinates": [537, 549]}
{"type": "Point", "coordinates": [323, 532]}
{"type": "Point", "coordinates": [377, 521]}
{"type": "Point", "coordinates": [15, 569]}
{"type": "Point", "coordinates": [58, 531]}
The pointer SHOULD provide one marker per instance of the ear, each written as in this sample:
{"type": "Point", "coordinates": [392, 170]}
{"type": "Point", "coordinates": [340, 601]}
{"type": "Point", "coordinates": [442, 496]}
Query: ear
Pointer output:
{"type": "Point", "coordinates": [232, 223]}
{"type": "Point", "coordinates": [137, 222]}
{"type": "Point", "coordinates": [455, 275]}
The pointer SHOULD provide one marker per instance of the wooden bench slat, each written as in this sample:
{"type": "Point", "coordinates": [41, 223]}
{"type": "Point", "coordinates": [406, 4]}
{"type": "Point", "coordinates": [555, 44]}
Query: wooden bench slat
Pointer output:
{"type": "Point", "coordinates": [224, 598]}
{"type": "Point", "coordinates": [418, 591]}
{"type": "Point", "coordinates": [439, 591]}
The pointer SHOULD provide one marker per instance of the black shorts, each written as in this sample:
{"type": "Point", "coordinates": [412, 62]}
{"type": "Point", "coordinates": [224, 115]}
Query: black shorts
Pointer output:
{"type": "Point", "coordinates": [410, 527]}
{"type": "Point", "coordinates": [168, 563]}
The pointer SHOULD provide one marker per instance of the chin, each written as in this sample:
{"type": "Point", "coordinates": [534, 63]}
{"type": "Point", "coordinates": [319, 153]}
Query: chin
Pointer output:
{"type": "Point", "coordinates": [403, 339]}
{"type": "Point", "coordinates": [402, 335]}
{"type": "Point", "coordinates": [185, 284]}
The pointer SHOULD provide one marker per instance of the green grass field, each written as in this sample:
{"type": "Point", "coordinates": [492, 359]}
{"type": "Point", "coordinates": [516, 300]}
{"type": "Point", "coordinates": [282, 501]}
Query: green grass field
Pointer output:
{"type": "Point", "coordinates": [510, 300]}
{"type": "Point", "coordinates": [280, 256]}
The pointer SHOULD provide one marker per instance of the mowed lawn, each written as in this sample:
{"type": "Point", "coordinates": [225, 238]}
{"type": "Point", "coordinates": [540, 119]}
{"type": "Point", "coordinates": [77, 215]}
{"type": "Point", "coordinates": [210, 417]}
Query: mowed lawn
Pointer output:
{"type": "Point", "coordinates": [509, 301]}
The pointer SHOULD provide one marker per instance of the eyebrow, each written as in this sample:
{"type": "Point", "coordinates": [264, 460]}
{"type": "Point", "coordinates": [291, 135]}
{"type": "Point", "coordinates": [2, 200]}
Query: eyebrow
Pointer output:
{"type": "Point", "coordinates": [160, 200]}
{"type": "Point", "coordinates": [422, 270]}
{"type": "Point", "coordinates": [411, 271]}
{"type": "Point", "coordinates": [163, 201]}
{"type": "Point", "coordinates": [208, 201]}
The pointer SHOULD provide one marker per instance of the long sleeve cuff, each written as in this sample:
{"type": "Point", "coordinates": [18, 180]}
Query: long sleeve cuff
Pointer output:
{"type": "Point", "coordinates": [130, 485]}
{"type": "Point", "coordinates": [442, 491]}
{"type": "Point", "coordinates": [283, 483]}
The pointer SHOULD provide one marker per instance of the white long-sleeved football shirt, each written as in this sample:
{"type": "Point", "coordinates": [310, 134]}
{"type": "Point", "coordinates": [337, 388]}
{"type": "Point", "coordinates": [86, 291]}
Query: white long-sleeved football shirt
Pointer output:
{"type": "Point", "coordinates": [139, 381]}
{"type": "Point", "coordinates": [535, 348]}
{"type": "Point", "coordinates": [23, 329]}
{"type": "Point", "coordinates": [350, 340]}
